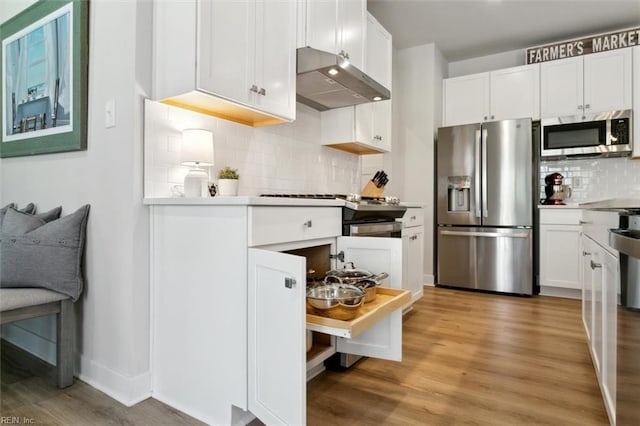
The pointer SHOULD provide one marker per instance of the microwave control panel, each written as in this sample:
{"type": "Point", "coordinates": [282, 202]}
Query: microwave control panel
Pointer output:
{"type": "Point", "coordinates": [620, 131]}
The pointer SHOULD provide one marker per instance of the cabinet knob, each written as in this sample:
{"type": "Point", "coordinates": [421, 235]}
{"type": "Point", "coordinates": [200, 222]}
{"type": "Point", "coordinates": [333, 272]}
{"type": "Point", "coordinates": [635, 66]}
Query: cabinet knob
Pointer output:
{"type": "Point", "coordinates": [262, 92]}
{"type": "Point", "coordinates": [289, 282]}
{"type": "Point", "coordinates": [586, 253]}
{"type": "Point", "coordinates": [485, 118]}
{"type": "Point", "coordinates": [253, 88]}
{"type": "Point", "coordinates": [580, 107]}
{"type": "Point", "coordinates": [595, 265]}
{"type": "Point", "coordinates": [583, 222]}
{"type": "Point", "coordinates": [308, 224]}
{"type": "Point", "coordinates": [343, 54]}
{"type": "Point", "coordinates": [492, 117]}
{"type": "Point", "coordinates": [412, 218]}
{"type": "Point", "coordinates": [587, 106]}
{"type": "Point", "coordinates": [414, 237]}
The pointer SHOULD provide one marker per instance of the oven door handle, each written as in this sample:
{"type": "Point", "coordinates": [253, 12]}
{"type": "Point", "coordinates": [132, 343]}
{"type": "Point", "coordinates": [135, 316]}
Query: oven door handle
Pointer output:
{"type": "Point", "coordinates": [485, 234]}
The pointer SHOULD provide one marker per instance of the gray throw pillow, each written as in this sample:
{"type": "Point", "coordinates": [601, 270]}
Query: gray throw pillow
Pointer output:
{"type": "Point", "coordinates": [29, 208]}
{"type": "Point", "coordinates": [36, 253]}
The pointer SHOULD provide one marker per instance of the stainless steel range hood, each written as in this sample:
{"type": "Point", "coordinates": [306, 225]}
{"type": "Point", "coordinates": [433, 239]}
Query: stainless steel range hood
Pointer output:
{"type": "Point", "coordinates": [326, 81]}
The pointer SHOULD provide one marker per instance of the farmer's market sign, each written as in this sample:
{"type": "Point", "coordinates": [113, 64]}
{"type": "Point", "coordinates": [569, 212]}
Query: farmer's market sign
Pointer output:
{"type": "Point", "coordinates": [584, 46]}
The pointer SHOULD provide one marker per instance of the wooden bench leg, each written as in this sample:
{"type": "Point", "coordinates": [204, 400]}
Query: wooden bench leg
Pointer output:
{"type": "Point", "coordinates": [64, 344]}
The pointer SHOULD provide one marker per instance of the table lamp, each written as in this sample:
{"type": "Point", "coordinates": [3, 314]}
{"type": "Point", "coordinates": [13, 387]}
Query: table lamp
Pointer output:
{"type": "Point", "coordinates": [197, 152]}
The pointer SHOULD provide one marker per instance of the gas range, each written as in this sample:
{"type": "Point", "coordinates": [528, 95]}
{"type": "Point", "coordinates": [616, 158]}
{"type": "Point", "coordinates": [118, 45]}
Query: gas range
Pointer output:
{"type": "Point", "coordinates": [353, 201]}
{"type": "Point", "coordinates": [379, 211]}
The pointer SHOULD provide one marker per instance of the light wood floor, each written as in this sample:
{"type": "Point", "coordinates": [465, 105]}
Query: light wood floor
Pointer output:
{"type": "Point", "coordinates": [468, 359]}
{"type": "Point", "coordinates": [471, 359]}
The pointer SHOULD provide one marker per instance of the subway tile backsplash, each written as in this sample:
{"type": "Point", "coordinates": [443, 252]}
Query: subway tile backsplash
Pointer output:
{"type": "Point", "coordinates": [273, 159]}
{"type": "Point", "coordinates": [595, 179]}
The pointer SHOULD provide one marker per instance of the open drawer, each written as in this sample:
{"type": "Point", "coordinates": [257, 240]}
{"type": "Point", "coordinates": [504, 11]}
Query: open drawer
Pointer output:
{"type": "Point", "coordinates": [387, 301]}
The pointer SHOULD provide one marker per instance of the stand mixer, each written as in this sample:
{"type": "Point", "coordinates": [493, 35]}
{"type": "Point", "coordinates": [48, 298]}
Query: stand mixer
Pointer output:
{"type": "Point", "coordinates": [555, 190]}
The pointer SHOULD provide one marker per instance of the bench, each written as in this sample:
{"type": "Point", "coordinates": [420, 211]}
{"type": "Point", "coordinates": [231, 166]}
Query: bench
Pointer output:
{"type": "Point", "coordinates": [23, 303]}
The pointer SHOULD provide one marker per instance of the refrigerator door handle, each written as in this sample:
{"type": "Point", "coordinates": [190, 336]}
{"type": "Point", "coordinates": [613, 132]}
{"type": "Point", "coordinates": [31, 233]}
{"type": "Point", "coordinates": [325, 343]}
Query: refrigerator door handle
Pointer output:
{"type": "Point", "coordinates": [485, 209]}
{"type": "Point", "coordinates": [485, 234]}
{"type": "Point", "coordinates": [476, 179]}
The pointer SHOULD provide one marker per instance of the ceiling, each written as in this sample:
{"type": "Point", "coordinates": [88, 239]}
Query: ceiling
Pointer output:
{"type": "Point", "coordinates": [465, 29]}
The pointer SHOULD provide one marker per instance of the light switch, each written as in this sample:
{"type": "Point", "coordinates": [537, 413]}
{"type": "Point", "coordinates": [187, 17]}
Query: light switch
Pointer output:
{"type": "Point", "coordinates": [110, 113]}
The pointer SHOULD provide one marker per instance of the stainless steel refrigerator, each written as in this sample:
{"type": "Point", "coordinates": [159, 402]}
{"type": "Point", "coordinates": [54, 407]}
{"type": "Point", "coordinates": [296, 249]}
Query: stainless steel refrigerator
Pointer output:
{"type": "Point", "coordinates": [485, 206]}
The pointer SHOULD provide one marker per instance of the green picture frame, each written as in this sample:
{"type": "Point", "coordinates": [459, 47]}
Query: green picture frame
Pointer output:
{"type": "Point", "coordinates": [44, 90]}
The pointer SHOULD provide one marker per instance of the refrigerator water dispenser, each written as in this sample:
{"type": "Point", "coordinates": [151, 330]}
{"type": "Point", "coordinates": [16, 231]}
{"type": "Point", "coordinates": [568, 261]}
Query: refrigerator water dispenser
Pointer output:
{"type": "Point", "coordinates": [459, 193]}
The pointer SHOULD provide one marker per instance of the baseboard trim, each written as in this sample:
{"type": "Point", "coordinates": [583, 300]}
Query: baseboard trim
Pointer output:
{"type": "Point", "coordinates": [568, 293]}
{"type": "Point", "coordinates": [126, 390]}
{"type": "Point", "coordinates": [429, 279]}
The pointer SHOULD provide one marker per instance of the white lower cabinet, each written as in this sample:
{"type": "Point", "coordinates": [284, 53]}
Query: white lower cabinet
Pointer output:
{"type": "Point", "coordinates": [560, 257]}
{"type": "Point", "coordinates": [413, 252]}
{"type": "Point", "coordinates": [600, 278]}
{"type": "Point", "coordinates": [235, 312]}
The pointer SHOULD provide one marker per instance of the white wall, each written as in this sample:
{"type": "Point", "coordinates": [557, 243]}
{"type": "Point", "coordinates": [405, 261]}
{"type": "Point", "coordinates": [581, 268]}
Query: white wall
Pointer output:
{"type": "Point", "coordinates": [417, 114]}
{"type": "Point", "coordinates": [285, 158]}
{"type": "Point", "coordinates": [113, 327]}
{"type": "Point", "coordinates": [497, 61]}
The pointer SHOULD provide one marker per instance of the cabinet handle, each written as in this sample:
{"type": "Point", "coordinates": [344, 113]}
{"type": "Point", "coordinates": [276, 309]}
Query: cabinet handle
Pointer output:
{"type": "Point", "coordinates": [583, 222]}
{"type": "Point", "coordinates": [262, 92]}
{"type": "Point", "coordinates": [413, 237]}
{"type": "Point", "coordinates": [343, 54]}
{"type": "Point", "coordinates": [308, 224]}
{"type": "Point", "coordinates": [253, 88]}
{"type": "Point", "coordinates": [595, 265]}
{"type": "Point", "coordinates": [580, 107]}
{"type": "Point", "coordinates": [485, 118]}
{"type": "Point", "coordinates": [289, 282]}
{"type": "Point", "coordinates": [587, 106]}
{"type": "Point", "coordinates": [492, 117]}
{"type": "Point", "coordinates": [586, 253]}
{"type": "Point", "coordinates": [412, 218]}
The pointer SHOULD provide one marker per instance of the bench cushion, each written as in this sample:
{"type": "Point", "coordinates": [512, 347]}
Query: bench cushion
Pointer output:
{"type": "Point", "coordinates": [15, 298]}
{"type": "Point", "coordinates": [36, 253]}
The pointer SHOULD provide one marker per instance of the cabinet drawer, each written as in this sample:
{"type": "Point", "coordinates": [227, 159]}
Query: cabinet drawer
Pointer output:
{"type": "Point", "coordinates": [273, 225]}
{"type": "Point", "coordinates": [387, 300]}
{"type": "Point", "coordinates": [414, 216]}
{"type": "Point", "coordinates": [560, 216]}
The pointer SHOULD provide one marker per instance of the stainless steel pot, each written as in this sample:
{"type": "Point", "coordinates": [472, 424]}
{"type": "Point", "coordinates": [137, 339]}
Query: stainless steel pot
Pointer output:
{"type": "Point", "coordinates": [353, 275]}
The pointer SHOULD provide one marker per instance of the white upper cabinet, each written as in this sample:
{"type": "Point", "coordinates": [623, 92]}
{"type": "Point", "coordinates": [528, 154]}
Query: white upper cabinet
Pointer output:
{"type": "Point", "coordinates": [496, 95]}
{"type": "Point", "coordinates": [586, 85]}
{"type": "Point", "coordinates": [365, 128]}
{"type": "Point", "coordinates": [378, 52]}
{"type": "Point", "coordinates": [336, 26]}
{"type": "Point", "coordinates": [248, 77]}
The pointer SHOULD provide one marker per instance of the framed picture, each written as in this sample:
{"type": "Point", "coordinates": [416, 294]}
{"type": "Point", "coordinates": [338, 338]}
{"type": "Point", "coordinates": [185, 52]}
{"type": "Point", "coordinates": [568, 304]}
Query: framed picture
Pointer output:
{"type": "Point", "coordinates": [45, 51]}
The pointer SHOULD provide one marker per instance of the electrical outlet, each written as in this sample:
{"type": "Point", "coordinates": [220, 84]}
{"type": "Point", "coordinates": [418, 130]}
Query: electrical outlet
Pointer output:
{"type": "Point", "coordinates": [577, 182]}
{"type": "Point", "coordinates": [110, 113]}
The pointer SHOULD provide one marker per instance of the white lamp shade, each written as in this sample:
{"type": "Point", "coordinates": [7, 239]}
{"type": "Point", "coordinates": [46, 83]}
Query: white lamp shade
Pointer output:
{"type": "Point", "coordinates": [197, 147]}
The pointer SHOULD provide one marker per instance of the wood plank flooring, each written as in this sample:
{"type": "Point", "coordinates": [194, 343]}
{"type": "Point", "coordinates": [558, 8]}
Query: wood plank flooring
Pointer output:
{"type": "Point", "coordinates": [468, 359]}
{"type": "Point", "coordinates": [471, 359]}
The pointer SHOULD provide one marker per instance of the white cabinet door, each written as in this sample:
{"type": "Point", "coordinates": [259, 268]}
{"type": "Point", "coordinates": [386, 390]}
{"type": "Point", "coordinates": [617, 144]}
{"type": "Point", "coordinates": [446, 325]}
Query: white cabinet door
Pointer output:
{"type": "Point", "coordinates": [320, 22]}
{"type": "Point", "coordinates": [275, 57]}
{"type": "Point", "coordinates": [515, 92]}
{"type": "Point", "coordinates": [382, 125]}
{"type": "Point", "coordinates": [561, 84]}
{"type": "Point", "coordinates": [413, 261]}
{"type": "Point", "coordinates": [611, 278]}
{"type": "Point", "coordinates": [226, 64]}
{"type": "Point", "coordinates": [384, 339]}
{"type": "Point", "coordinates": [636, 102]}
{"type": "Point", "coordinates": [597, 336]}
{"type": "Point", "coordinates": [277, 336]}
{"type": "Point", "coordinates": [560, 258]}
{"type": "Point", "coordinates": [351, 29]}
{"type": "Point", "coordinates": [587, 287]}
{"type": "Point", "coordinates": [607, 81]}
{"type": "Point", "coordinates": [378, 52]}
{"type": "Point", "coordinates": [466, 99]}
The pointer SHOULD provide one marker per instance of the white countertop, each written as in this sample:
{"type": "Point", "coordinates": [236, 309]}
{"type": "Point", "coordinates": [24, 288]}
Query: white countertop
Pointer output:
{"type": "Point", "coordinates": [613, 204]}
{"type": "Point", "coordinates": [413, 204]}
{"type": "Point", "coordinates": [566, 206]}
{"type": "Point", "coordinates": [241, 201]}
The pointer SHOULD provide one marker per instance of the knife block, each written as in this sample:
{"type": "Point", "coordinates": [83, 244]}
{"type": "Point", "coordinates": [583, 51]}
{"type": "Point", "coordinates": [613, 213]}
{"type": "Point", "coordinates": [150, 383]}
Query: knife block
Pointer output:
{"type": "Point", "coordinates": [371, 190]}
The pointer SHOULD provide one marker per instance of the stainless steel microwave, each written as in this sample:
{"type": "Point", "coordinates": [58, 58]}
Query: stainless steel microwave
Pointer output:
{"type": "Point", "coordinates": [606, 134]}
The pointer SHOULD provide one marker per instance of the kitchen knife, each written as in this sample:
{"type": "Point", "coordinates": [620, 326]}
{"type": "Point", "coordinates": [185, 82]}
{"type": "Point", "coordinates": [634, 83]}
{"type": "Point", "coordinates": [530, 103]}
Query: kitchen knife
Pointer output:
{"type": "Point", "coordinates": [383, 182]}
{"type": "Point", "coordinates": [376, 176]}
